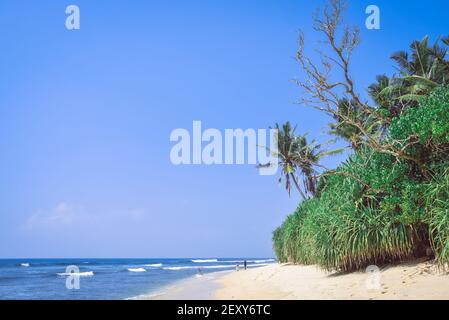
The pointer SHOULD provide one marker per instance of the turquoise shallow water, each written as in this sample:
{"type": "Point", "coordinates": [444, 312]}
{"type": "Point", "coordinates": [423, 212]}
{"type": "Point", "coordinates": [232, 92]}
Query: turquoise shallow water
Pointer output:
{"type": "Point", "coordinates": [103, 278]}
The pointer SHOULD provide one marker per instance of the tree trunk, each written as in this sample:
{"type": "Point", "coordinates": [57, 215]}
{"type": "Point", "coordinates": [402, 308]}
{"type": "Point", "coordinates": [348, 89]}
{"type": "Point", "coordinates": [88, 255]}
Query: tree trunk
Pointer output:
{"type": "Point", "coordinates": [298, 187]}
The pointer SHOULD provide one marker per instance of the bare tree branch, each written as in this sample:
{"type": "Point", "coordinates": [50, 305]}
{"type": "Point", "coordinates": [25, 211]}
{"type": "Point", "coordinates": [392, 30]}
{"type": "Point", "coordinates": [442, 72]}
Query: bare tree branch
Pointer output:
{"type": "Point", "coordinates": [329, 81]}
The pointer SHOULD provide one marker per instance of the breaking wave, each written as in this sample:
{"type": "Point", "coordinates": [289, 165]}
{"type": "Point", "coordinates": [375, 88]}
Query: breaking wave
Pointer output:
{"type": "Point", "coordinates": [224, 266]}
{"type": "Point", "coordinates": [79, 274]}
{"type": "Point", "coordinates": [154, 265]}
{"type": "Point", "coordinates": [203, 267]}
{"type": "Point", "coordinates": [136, 269]}
{"type": "Point", "coordinates": [262, 261]}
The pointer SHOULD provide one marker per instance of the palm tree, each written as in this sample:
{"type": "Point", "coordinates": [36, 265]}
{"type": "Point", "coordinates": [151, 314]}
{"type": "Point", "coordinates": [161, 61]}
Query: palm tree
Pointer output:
{"type": "Point", "coordinates": [385, 97]}
{"type": "Point", "coordinates": [425, 68]}
{"type": "Point", "coordinates": [308, 157]}
{"type": "Point", "coordinates": [349, 111]}
{"type": "Point", "coordinates": [287, 157]}
{"type": "Point", "coordinates": [298, 158]}
{"type": "Point", "coordinates": [424, 63]}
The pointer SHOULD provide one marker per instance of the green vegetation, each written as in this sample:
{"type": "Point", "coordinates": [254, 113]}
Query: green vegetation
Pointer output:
{"type": "Point", "coordinates": [390, 200]}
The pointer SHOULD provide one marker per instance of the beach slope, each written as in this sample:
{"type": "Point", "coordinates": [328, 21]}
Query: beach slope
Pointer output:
{"type": "Point", "coordinates": [417, 280]}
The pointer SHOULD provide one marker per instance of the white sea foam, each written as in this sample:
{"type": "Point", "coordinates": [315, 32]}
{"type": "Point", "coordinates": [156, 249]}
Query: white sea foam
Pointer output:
{"type": "Point", "coordinates": [224, 266]}
{"type": "Point", "coordinates": [258, 265]}
{"type": "Point", "coordinates": [154, 265]}
{"type": "Point", "coordinates": [204, 260]}
{"type": "Point", "coordinates": [25, 264]}
{"type": "Point", "coordinates": [79, 274]}
{"type": "Point", "coordinates": [260, 261]}
{"type": "Point", "coordinates": [202, 267]}
{"type": "Point", "coordinates": [248, 261]}
{"type": "Point", "coordinates": [136, 269]}
{"type": "Point", "coordinates": [147, 296]}
{"type": "Point", "coordinates": [178, 268]}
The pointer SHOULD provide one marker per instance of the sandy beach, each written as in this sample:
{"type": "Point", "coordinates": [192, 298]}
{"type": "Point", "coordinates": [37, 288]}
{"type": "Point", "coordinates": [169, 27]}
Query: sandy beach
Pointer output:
{"type": "Point", "coordinates": [417, 280]}
{"type": "Point", "coordinates": [194, 288]}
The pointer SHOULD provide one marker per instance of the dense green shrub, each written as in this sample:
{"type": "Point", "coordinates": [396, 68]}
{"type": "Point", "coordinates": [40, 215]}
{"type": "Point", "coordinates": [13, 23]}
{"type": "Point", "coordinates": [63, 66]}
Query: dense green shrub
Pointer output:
{"type": "Point", "coordinates": [437, 197]}
{"type": "Point", "coordinates": [347, 227]}
{"type": "Point", "coordinates": [400, 213]}
{"type": "Point", "coordinates": [429, 125]}
{"type": "Point", "coordinates": [429, 122]}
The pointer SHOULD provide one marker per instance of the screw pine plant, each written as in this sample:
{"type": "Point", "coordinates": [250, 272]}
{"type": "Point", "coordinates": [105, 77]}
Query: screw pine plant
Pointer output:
{"type": "Point", "coordinates": [389, 201]}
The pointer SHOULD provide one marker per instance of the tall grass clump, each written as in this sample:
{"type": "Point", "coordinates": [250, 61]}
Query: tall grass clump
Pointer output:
{"type": "Point", "coordinates": [437, 197]}
{"type": "Point", "coordinates": [401, 210]}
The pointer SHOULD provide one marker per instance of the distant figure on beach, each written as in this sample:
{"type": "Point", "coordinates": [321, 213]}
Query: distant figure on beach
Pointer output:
{"type": "Point", "coordinates": [245, 264]}
{"type": "Point", "coordinates": [200, 272]}
{"type": "Point", "coordinates": [237, 267]}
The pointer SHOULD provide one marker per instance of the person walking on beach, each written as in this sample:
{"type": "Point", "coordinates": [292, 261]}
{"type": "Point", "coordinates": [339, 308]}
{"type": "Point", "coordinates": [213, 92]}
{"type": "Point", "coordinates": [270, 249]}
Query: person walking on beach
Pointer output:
{"type": "Point", "coordinates": [244, 264]}
{"type": "Point", "coordinates": [237, 267]}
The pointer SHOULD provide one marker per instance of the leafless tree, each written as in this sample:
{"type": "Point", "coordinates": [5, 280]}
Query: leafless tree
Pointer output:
{"type": "Point", "coordinates": [328, 81]}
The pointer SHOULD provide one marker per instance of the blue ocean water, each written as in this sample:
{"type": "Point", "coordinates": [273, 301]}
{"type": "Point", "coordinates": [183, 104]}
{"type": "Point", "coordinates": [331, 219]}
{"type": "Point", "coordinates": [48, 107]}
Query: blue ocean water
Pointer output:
{"type": "Point", "coordinates": [103, 278]}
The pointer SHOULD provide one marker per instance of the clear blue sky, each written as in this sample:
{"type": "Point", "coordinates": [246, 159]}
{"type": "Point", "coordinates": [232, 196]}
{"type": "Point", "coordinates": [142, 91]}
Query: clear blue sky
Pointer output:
{"type": "Point", "coordinates": [85, 118]}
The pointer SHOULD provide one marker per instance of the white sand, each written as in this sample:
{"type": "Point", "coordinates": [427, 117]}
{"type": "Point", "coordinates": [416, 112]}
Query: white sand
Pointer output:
{"type": "Point", "coordinates": [407, 281]}
{"type": "Point", "coordinates": [417, 280]}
